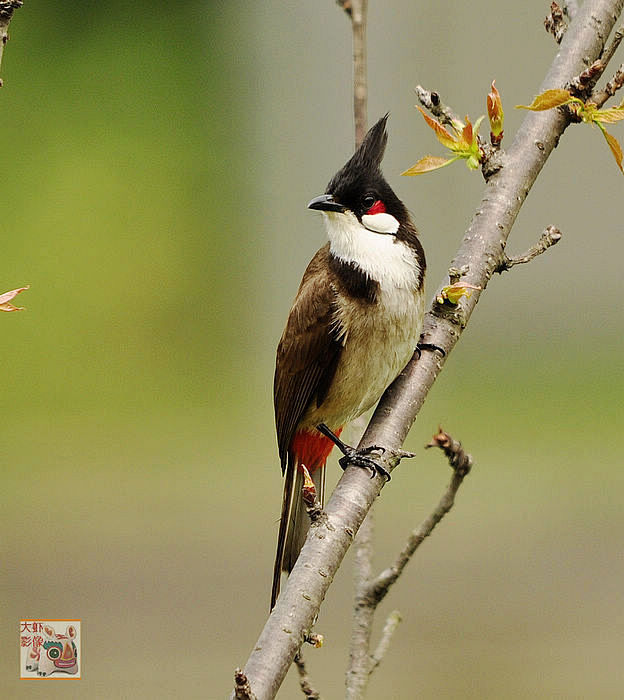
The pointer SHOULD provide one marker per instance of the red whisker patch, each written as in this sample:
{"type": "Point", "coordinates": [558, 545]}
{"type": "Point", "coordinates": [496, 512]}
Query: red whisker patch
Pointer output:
{"type": "Point", "coordinates": [378, 208]}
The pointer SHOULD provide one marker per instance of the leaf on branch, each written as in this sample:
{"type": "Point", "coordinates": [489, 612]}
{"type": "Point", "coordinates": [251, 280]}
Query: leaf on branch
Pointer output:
{"type": "Point", "coordinates": [6, 298]}
{"type": "Point", "coordinates": [549, 100]}
{"type": "Point", "coordinates": [454, 292]}
{"type": "Point", "coordinates": [463, 143]}
{"type": "Point", "coordinates": [495, 115]}
{"type": "Point", "coordinates": [609, 116]}
{"type": "Point", "coordinates": [429, 163]}
{"type": "Point", "coordinates": [308, 490]}
{"type": "Point", "coordinates": [615, 147]}
{"type": "Point", "coordinates": [443, 136]}
{"type": "Point", "coordinates": [587, 112]}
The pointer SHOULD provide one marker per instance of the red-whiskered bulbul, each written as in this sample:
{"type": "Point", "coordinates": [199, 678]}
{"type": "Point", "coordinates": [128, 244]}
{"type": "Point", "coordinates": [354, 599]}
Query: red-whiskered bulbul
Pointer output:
{"type": "Point", "coordinates": [354, 325]}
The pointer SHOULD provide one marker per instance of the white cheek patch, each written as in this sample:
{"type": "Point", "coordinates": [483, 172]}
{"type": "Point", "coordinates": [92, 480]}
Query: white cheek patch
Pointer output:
{"type": "Point", "coordinates": [380, 223]}
{"type": "Point", "coordinates": [384, 258]}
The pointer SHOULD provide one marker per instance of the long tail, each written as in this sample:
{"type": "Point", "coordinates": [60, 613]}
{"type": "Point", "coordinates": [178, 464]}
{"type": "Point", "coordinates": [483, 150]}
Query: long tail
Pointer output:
{"type": "Point", "coordinates": [294, 523]}
{"type": "Point", "coordinates": [311, 448]}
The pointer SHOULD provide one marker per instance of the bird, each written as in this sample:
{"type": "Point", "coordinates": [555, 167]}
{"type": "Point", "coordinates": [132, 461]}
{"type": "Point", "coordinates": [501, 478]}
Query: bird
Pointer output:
{"type": "Point", "coordinates": [354, 324]}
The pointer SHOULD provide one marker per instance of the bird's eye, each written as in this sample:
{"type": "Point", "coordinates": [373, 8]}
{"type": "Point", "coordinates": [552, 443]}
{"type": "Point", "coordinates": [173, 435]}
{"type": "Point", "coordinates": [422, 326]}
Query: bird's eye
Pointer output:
{"type": "Point", "coordinates": [368, 201]}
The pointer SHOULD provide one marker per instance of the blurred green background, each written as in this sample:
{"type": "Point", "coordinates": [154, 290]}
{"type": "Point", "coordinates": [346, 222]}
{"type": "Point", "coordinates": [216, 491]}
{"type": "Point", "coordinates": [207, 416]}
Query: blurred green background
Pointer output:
{"type": "Point", "coordinates": [157, 161]}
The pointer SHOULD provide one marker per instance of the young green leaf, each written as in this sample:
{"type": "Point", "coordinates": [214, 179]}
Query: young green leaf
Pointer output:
{"type": "Point", "coordinates": [549, 100]}
{"type": "Point", "coordinates": [427, 164]}
{"type": "Point", "coordinates": [615, 147]}
{"type": "Point", "coordinates": [609, 116]}
{"type": "Point", "coordinates": [454, 292]}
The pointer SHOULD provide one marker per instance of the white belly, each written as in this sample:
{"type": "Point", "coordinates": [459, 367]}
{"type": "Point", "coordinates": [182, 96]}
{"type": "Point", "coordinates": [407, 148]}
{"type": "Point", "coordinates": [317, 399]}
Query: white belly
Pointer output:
{"type": "Point", "coordinates": [379, 340]}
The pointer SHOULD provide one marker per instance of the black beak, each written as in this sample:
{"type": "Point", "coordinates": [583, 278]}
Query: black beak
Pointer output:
{"type": "Point", "coordinates": [326, 203]}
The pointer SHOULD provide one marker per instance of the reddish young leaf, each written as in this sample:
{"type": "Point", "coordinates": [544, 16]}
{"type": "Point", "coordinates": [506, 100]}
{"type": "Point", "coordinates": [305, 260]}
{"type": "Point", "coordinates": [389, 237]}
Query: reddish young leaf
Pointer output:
{"type": "Point", "coordinates": [495, 111]}
{"type": "Point", "coordinates": [443, 136]}
{"type": "Point", "coordinates": [615, 147]}
{"type": "Point", "coordinates": [467, 132]}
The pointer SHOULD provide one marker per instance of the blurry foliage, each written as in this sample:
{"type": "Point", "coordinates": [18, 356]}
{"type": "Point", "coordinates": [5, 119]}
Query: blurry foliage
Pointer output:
{"type": "Point", "coordinates": [118, 171]}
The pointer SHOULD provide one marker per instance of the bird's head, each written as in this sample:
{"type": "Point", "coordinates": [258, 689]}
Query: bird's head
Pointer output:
{"type": "Point", "coordinates": [360, 190]}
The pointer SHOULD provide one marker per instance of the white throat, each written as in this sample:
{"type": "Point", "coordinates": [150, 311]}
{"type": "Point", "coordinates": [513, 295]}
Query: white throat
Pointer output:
{"type": "Point", "coordinates": [389, 261]}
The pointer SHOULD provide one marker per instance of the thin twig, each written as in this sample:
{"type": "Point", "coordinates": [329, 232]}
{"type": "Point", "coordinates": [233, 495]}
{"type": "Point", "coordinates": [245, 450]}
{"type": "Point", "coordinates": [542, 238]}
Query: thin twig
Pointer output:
{"type": "Point", "coordinates": [357, 12]}
{"type": "Point", "coordinates": [373, 590]}
{"type": "Point", "coordinates": [461, 462]}
{"type": "Point", "coordinates": [492, 154]}
{"type": "Point", "coordinates": [392, 622]}
{"type": "Point", "coordinates": [609, 50]}
{"type": "Point", "coordinates": [599, 97]}
{"type": "Point", "coordinates": [430, 100]}
{"type": "Point", "coordinates": [304, 679]}
{"type": "Point", "coordinates": [550, 236]}
{"type": "Point", "coordinates": [582, 84]}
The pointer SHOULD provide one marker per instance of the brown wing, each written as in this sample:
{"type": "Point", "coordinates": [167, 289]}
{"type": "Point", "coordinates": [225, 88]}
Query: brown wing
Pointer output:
{"type": "Point", "coordinates": [308, 352]}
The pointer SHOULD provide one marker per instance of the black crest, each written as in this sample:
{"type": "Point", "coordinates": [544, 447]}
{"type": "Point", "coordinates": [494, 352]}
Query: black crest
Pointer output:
{"type": "Point", "coordinates": [365, 163]}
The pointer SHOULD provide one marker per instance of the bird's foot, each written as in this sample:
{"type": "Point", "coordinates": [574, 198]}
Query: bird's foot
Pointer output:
{"type": "Point", "coordinates": [358, 458]}
{"type": "Point", "coordinates": [429, 346]}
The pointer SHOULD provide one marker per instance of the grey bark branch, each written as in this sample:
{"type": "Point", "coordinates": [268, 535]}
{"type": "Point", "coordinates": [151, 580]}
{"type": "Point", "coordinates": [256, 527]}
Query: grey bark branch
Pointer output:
{"type": "Point", "coordinates": [481, 251]}
{"type": "Point", "coordinates": [570, 8]}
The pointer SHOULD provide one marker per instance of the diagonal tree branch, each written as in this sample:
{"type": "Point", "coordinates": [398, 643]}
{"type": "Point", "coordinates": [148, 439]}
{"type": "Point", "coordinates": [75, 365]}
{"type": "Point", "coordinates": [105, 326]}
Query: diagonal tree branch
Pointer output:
{"type": "Point", "coordinates": [480, 254]}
